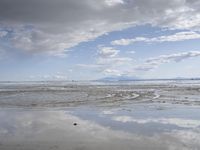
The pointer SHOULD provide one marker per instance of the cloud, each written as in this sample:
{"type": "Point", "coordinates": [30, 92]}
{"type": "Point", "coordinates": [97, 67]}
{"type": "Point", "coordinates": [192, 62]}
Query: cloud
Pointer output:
{"type": "Point", "coordinates": [53, 27]}
{"type": "Point", "coordinates": [126, 66]}
{"type": "Point", "coordinates": [108, 62]}
{"type": "Point", "coordinates": [184, 123]}
{"type": "Point", "coordinates": [3, 33]}
{"type": "Point", "coordinates": [114, 61]}
{"type": "Point", "coordinates": [107, 112]}
{"type": "Point", "coordinates": [114, 2]}
{"type": "Point", "coordinates": [34, 41]}
{"type": "Point", "coordinates": [174, 57]}
{"type": "Point", "coordinates": [57, 76]}
{"type": "Point", "coordinates": [107, 52]}
{"type": "Point", "coordinates": [119, 66]}
{"type": "Point", "coordinates": [152, 63]}
{"type": "Point", "coordinates": [129, 41]}
{"type": "Point", "coordinates": [55, 129]}
{"type": "Point", "coordinates": [109, 56]}
{"type": "Point", "coordinates": [112, 72]}
{"type": "Point", "coordinates": [180, 36]}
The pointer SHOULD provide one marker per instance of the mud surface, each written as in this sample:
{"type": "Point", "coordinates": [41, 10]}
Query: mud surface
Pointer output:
{"type": "Point", "coordinates": [100, 116]}
{"type": "Point", "coordinates": [64, 94]}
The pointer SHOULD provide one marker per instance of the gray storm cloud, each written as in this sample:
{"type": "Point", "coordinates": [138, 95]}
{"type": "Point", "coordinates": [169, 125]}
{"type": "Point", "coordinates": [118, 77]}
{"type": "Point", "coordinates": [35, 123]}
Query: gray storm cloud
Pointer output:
{"type": "Point", "coordinates": [54, 26]}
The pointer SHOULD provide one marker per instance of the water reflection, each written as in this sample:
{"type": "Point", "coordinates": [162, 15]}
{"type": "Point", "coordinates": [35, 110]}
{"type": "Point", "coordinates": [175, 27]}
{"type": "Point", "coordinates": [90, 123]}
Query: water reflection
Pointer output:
{"type": "Point", "coordinates": [100, 128]}
{"type": "Point", "coordinates": [118, 116]}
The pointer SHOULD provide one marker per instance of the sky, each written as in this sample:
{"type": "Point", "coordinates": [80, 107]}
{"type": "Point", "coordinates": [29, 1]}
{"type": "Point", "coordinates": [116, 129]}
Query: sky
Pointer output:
{"type": "Point", "coordinates": [93, 39]}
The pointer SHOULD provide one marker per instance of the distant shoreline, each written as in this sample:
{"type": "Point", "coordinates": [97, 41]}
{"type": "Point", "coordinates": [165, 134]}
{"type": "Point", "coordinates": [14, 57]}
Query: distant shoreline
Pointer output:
{"type": "Point", "coordinates": [107, 80]}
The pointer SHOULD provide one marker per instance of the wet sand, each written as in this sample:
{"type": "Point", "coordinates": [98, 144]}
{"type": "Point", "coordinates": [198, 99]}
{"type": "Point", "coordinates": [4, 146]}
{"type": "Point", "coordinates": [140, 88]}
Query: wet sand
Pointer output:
{"type": "Point", "coordinates": [96, 116]}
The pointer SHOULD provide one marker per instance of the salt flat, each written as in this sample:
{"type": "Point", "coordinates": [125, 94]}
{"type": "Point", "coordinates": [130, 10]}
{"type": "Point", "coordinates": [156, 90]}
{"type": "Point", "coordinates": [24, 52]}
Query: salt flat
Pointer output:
{"type": "Point", "coordinates": [91, 115]}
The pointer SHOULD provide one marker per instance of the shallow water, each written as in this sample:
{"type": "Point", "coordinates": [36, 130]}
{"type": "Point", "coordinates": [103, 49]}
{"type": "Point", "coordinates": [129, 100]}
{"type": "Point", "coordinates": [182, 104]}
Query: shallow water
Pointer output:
{"type": "Point", "coordinates": [88, 116]}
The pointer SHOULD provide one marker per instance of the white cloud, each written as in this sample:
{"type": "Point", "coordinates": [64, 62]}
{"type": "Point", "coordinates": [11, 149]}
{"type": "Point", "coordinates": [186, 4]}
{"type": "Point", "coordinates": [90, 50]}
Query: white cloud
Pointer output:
{"type": "Point", "coordinates": [108, 62]}
{"type": "Point", "coordinates": [112, 72]}
{"type": "Point", "coordinates": [126, 66]}
{"type": "Point", "coordinates": [187, 137]}
{"type": "Point", "coordinates": [119, 66]}
{"type": "Point", "coordinates": [152, 63]}
{"type": "Point", "coordinates": [3, 33]}
{"type": "Point", "coordinates": [34, 41]}
{"type": "Point", "coordinates": [114, 2]}
{"type": "Point", "coordinates": [129, 41]}
{"type": "Point", "coordinates": [114, 61]}
{"type": "Point", "coordinates": [52, 27]}
{"type": "Point", "coordinates": [56, 76]}
{"type": "Point", "coordinates": [180, 36]}
{"type": "Point", "coordinates": [107, 52]}
{"type": "Point", "coordinates": [107, 112]}
{"type": "Point", "coordinates": [55, 129]}
{"type": "Point", "coordinates": [185, 123]}
{"type": "Point", "coordinates": [175, 57]}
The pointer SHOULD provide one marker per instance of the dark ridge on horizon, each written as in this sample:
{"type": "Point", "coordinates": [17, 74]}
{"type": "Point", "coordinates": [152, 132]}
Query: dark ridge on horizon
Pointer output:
{"type": "Point", "coordinates": [115, 79]}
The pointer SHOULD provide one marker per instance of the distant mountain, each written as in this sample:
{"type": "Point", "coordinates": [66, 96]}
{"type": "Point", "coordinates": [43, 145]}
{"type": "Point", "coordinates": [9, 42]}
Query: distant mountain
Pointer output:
{"type": "Point", "coordinates": [181, 78]}
{"type": "Point", "coordinates": [128, 78]}
{"type": "Point", "coordinates": [119, 78]}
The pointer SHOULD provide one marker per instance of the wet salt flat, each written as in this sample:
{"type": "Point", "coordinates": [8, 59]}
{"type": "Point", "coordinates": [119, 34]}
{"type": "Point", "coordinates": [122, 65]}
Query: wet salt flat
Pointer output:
{"type": "Point", "coordinates": [88, 116]}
